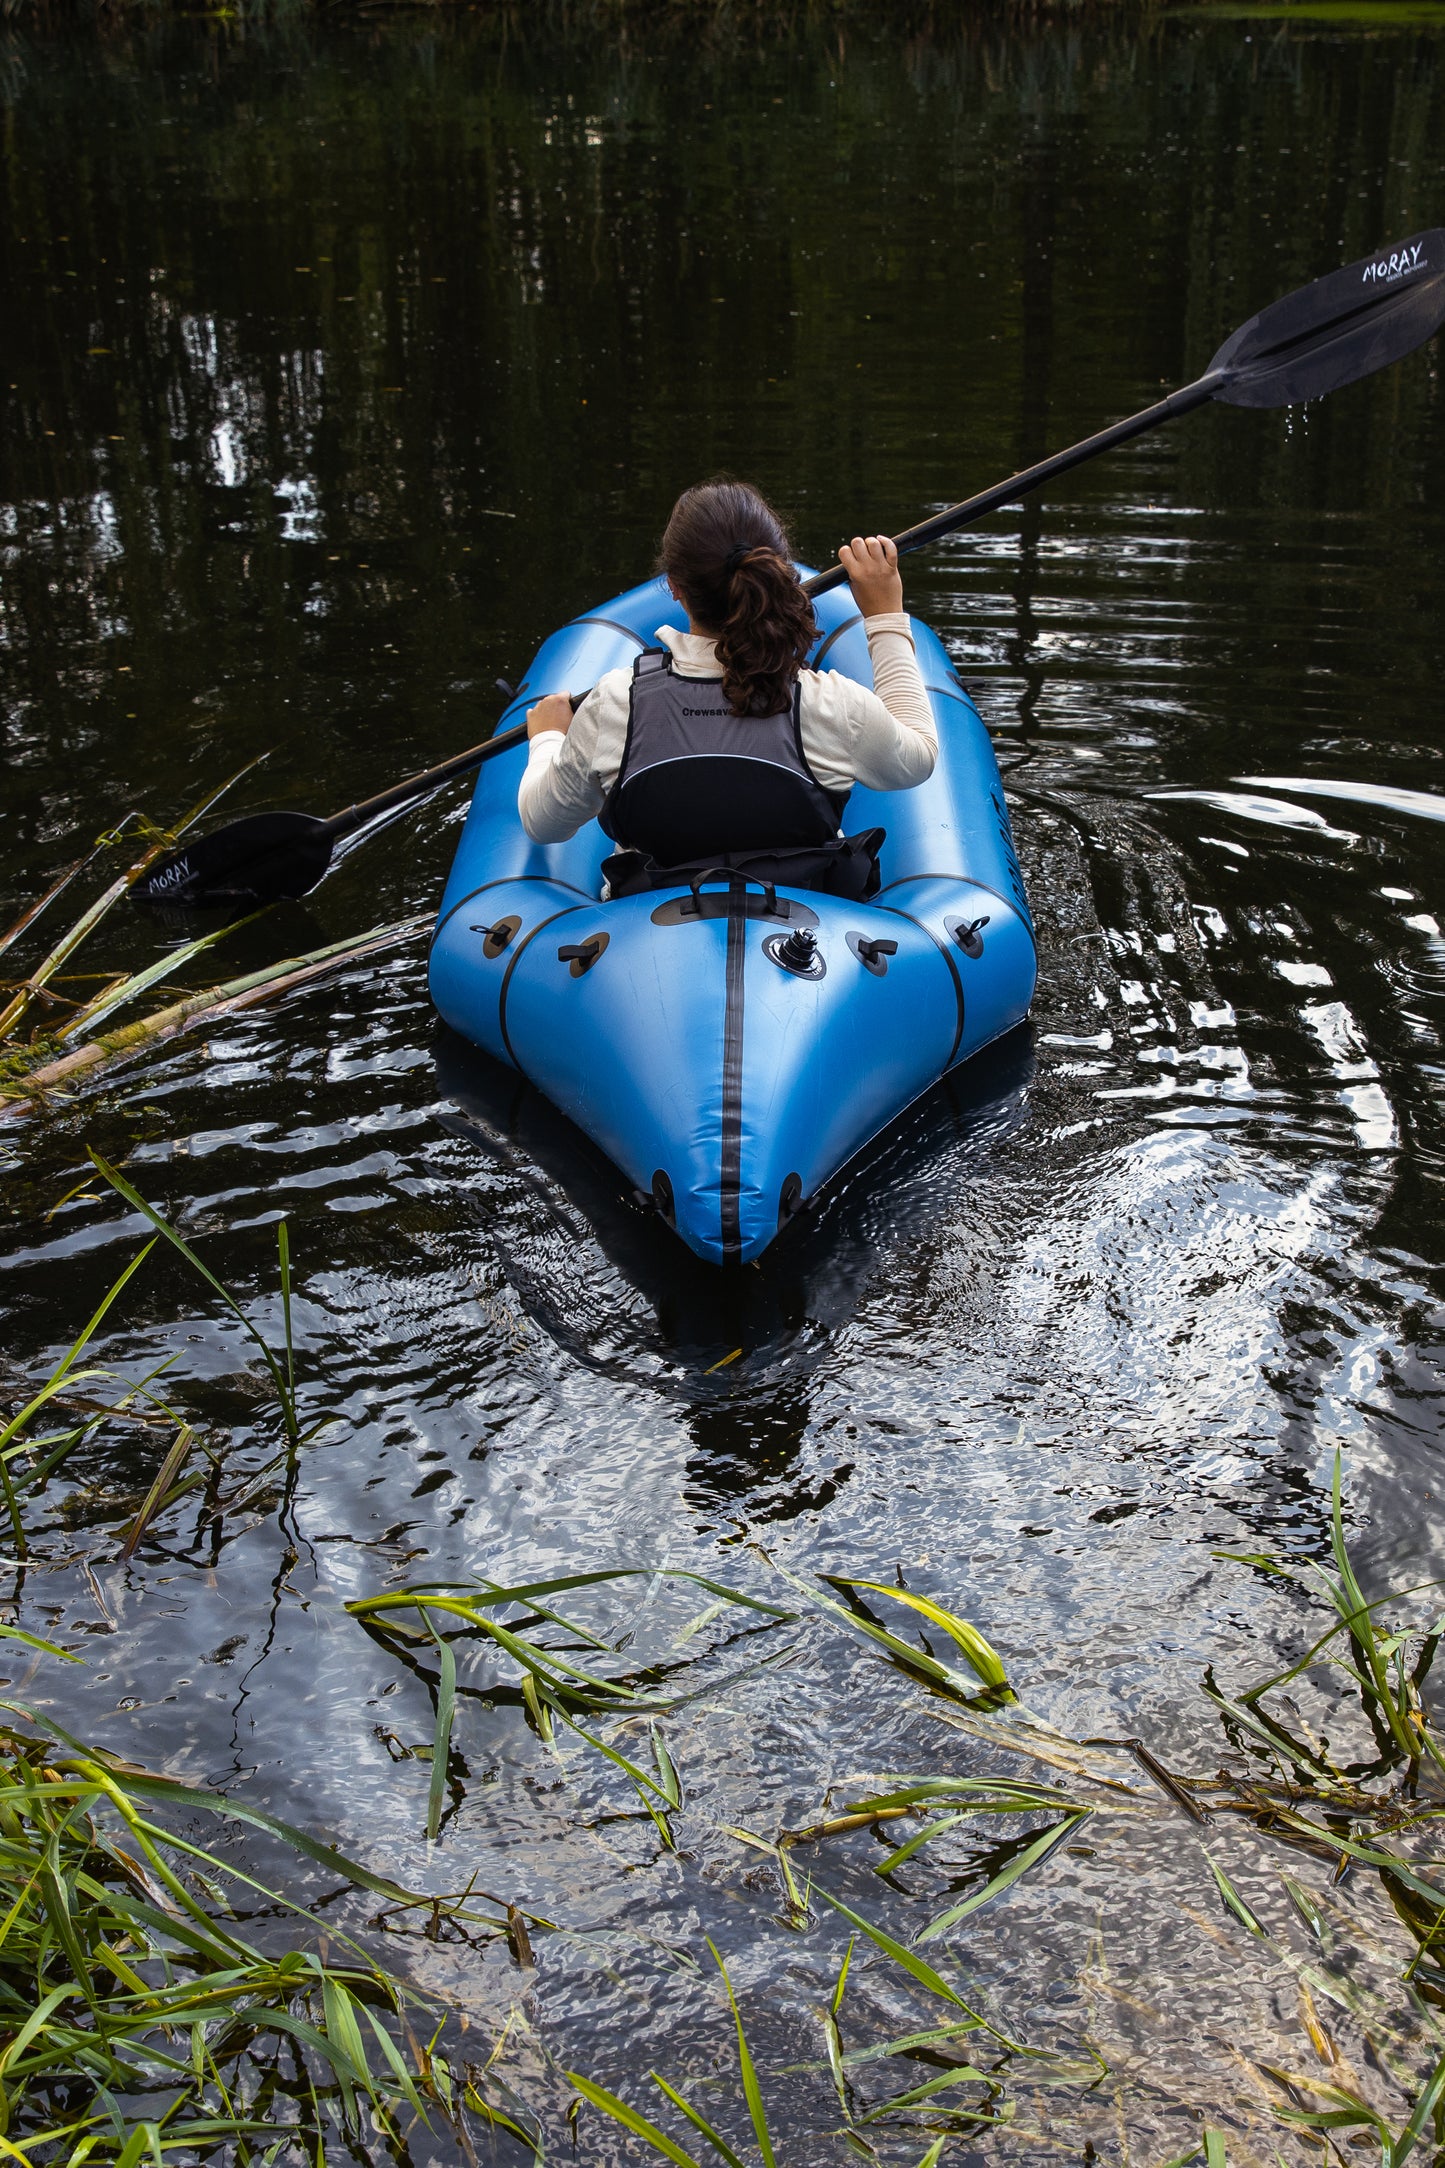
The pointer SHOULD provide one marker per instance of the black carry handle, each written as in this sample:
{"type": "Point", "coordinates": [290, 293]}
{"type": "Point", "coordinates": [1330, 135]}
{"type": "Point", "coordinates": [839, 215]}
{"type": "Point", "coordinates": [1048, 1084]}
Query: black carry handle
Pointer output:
{"type": "Point", "coordinates": [735, 878]}
{"type": "Point", "coordinates": [1328, 334]}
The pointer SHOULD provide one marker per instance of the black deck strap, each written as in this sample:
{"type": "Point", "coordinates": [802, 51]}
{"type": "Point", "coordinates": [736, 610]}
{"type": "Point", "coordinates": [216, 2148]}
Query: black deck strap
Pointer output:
{"type": "Point", "coordinates": [730, 1169]}
{"type": "Point", "coordinates": [836, 634]}
{"type": "Point", "coordinates": [517, 954]}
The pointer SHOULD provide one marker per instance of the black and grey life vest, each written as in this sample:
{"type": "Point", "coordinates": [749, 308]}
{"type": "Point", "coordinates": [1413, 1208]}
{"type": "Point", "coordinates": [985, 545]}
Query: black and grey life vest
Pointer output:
{"type": "Point", "coordinates": [698, 783]}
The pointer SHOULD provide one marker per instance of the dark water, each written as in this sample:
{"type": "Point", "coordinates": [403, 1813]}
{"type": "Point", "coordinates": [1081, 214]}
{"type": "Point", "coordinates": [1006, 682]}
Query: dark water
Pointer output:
{"type": "Point", "coordinates": [340, 364]}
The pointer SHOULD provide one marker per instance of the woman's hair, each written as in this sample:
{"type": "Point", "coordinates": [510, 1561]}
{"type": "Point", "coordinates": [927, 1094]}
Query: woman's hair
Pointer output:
{"type": "Point", "coordinates": [726, 553]}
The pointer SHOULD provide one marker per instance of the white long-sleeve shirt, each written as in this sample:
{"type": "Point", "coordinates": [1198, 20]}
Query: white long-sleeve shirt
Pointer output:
{"type": "Point", "coordinates": [885, 739]}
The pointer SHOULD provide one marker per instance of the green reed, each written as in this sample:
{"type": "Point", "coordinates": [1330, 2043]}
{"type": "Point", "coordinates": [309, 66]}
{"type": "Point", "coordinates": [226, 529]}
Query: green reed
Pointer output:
{"type": "Point", "coordinates": [137, 2022]}
{"type": "Point", "coordinates": [31, 1456]}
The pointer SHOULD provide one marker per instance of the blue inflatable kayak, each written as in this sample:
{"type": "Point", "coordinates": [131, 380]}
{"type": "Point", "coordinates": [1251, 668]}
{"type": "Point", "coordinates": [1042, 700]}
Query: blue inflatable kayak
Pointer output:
{"type": "Point", "coordinates": [726, 1067]}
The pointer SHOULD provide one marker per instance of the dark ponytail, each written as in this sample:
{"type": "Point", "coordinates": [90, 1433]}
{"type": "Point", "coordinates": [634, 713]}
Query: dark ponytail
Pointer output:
{"type": "Point", "coordinates": [726, 553]}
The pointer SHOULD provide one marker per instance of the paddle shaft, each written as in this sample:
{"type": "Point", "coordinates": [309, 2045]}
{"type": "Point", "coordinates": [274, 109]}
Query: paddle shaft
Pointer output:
{"type": "Point", "coordinates": [353, 817]}
{"type": "Point", "coordinates": [1019, 485]}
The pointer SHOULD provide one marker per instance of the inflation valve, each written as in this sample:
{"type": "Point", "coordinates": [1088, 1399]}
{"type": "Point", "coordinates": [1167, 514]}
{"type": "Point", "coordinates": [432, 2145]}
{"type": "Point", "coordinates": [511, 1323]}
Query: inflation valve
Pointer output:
{"type": "Point", "coordinates": [796, 952]}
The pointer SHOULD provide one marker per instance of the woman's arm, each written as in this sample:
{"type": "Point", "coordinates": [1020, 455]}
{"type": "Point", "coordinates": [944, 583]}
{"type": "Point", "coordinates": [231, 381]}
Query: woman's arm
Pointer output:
{"type": "Point", "coordinates": [897, 741]}
{"type": "Point", "coordinates": [885, 739]}
{"type": "Point", "coordinates": [561, 789]}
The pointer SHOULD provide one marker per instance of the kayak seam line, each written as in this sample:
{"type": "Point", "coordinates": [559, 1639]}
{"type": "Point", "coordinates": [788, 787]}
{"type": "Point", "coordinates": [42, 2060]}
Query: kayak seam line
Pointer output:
{"type": "Point", "coordinates": [730, 1164]}
{"type": "Point", "coordinates": [947, 956]}
{"type": "Point", "coordinates": [836, 634]}
{"type": "Point", "coordinates": [502, 881]}
{"type": "Point", "coordinates": [612, 626]}
{"type": "Point", "coordinates": [521, 950]}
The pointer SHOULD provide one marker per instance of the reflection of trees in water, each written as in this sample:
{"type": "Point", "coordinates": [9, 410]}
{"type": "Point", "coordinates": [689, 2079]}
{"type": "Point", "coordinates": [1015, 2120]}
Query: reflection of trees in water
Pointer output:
{"type": "Point", "coordinates": [354, 295]}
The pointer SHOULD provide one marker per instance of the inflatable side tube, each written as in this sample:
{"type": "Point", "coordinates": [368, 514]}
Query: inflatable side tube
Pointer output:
{"type": "Point", "coordinates": [477, 944]}
{"type": "Point", "coordinates": [989, 944]}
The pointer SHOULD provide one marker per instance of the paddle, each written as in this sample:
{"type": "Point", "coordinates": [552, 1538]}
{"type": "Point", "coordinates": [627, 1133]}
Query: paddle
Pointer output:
{"type": "Point", "coordinates": [1341, 327]}
{"type": "Point", "coordinates": [1328, 334]}
{"type": "Point", "coordinates": [266, 856]}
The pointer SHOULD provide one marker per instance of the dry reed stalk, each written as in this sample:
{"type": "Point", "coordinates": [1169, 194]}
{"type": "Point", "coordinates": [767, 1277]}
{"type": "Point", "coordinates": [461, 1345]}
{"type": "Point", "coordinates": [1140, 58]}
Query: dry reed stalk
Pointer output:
{"type": "Point", "coordinates": [32, 911]}
{"type": "Point", "coordinates": [163, 840]}
{"type": "Point", "coordinates": [69, 942]}
{"type": "Point", "coordinates": [208, 1006]}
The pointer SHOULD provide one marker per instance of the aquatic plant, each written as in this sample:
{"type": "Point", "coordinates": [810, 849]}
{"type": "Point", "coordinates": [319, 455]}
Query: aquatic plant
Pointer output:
{"type": "Point", "coordinates": [136, 2021]}
{"type": "Point", "coordinates": [29, 1458]}
{"type": "Point", "coordinates": [51, 1065]}
{"type": "Point", "coordinates": [552, 1688]}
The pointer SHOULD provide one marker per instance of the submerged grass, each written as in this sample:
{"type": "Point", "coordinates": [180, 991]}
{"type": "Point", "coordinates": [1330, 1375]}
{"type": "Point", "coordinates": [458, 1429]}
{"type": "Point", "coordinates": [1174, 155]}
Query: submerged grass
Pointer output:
{"type": "Point", "coordinates": [137, 2021]}
{"type": "Point", "coordinates": [1352, 1814]}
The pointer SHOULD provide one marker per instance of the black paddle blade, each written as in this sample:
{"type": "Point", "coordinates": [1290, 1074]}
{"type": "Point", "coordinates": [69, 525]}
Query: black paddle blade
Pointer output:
{"type": "Point", "coordinates": [1342, 327]}
{"type": "Point", "coordinates": [258, 860]}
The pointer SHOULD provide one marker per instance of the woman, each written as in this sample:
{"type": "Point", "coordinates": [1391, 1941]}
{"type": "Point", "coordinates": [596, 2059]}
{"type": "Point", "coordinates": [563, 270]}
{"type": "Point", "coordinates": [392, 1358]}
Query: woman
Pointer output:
{"type": "Point", "coordinates": [720, 747]}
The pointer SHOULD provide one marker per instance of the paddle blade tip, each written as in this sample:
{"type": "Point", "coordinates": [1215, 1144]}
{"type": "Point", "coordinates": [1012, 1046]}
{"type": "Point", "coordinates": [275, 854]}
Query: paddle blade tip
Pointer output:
{"type": "Point", "coordinates": [1339, 328]}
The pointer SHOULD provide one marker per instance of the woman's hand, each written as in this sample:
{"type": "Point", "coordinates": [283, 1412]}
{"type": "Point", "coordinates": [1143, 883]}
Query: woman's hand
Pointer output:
{"type": "Point", "coordinates": [552, 713]}
{"type": "Point", "coordinates": [871, 563]}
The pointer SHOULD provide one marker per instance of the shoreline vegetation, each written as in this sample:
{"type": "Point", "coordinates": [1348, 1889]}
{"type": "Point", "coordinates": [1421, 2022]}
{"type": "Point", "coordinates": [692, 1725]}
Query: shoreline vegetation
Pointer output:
{"type": "Point", "coordinates": [146, 2008]}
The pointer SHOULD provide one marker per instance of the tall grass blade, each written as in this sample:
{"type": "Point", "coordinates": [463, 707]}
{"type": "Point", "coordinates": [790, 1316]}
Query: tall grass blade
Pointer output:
{"type": "Point", "coordinates": [977, 1653]}
{"type": "Point", "coordinates": [921, 1970]}
{"type": "Point", "coordinates": [178, 1241]}
{"type": "Point", "coordinates": [964, 2074]}
{"type": "Point", "coordinates": [928, 1668]}
{"type": "Point", "coordinates": [442, 1738]}
{"type": "Point", "coordinates": [629, 2118]}
{"type": "Point", "coordinates": [160, 1489]}
{"type": "Point", "coordinates": [751, 2091]}
{"type": "Point", "coordinates": [1032, 1855]}
{"type": "Point", "coordinates": [837, 2003]}
{"type": "Point", "coordinates": [32, 911]}
{"type": "Point", "coordinates": [283, 1259]}
{"type": "Point", "coordinates": [698, 2121]}
{"type": "Point", "coordinates": [1232, 1897]}
{"type": "Point", "coordinates": [140, 982]}
{"type": "Point", "coordinates": [1424, 2111]}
